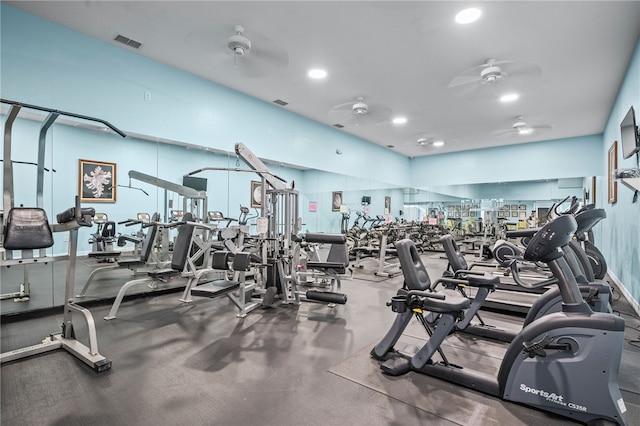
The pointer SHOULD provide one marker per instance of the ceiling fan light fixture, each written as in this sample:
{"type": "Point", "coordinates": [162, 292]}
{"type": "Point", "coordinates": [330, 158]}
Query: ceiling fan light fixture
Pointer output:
{"type": "Point", "coordinates": [525, 130]}
{"type": "Point", "coordinates": [467, 16]}
{"type": "Point", "coordinates": [491, 74]}
{"type": "Point", "coordinates": [360, 108]}
{"type": "Point", "coordinates": [239, 44]}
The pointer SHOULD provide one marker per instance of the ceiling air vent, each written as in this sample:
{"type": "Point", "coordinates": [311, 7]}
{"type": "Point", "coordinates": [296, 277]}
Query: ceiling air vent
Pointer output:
{"type": "Point", "coordinates": [127, 41]}
{"type": "Point", "coordinates": [338, 125]}
{"type": "Point", "coordinates": [280, 102]}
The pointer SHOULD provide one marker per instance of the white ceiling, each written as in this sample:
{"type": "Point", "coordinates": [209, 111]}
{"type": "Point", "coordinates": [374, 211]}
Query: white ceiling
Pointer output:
{"type": "Point", "coordinates": [401, 56]}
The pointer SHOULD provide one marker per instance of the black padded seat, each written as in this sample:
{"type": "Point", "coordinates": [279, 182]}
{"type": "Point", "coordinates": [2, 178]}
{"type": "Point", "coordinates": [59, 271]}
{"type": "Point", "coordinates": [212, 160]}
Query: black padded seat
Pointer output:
{"type": "Point", "coordinates": [27, 228]}
{"type": "Point", "coordinates": [417, 281]}
{"type": "Point", "coordinates": [180, 253]}
{"type": "Point", "coordinates": [461, 268]}
{"type": "Point", "coordinates": [455, 257]}
{"type": "Point", "coordinates": [338, 258]}
{"type": "Point", "coordinates": [241, 262]}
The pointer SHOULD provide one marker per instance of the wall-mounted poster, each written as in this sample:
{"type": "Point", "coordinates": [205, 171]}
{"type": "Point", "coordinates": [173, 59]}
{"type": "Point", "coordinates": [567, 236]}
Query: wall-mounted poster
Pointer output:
{"type": "Point", "coordinates": [256, 194]}
{"type": "Point", "coordinates": [387, 205]}
{"type": "Point", "coordinates": [96, 181]}
{"type": "Point", "coordinates": [336, 201]}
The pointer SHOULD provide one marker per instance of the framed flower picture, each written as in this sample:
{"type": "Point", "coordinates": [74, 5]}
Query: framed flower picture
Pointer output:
{"type": "Point", "coordinates": [96, 181]}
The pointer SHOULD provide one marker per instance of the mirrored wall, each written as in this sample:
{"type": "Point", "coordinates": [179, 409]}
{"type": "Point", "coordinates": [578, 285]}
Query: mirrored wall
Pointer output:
{"type": "Point", "coordinates": [145, 174]}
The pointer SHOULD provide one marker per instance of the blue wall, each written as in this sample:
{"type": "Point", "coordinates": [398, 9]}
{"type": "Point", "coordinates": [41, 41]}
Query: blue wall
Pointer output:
{"type": "Point", "coordinates": [562, 158]}
{"type": "Point", "coordinates": [49, 65]}
{"type": "Point", "coordinates": [620, 232]}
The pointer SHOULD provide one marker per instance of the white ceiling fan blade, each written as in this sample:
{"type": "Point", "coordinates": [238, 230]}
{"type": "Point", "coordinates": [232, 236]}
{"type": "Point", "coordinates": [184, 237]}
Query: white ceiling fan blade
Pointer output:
{"type": "Point", "coordinates": [541, 127]}
{"type": "Point", "coordinates": [522, 69]}
{"type": "Point", "coordinates": [341, 108]}
{"type": "Point", "coordinates": [471, 84]}
{"type": "Point", "coordinates": [516, 131]}
{"type": "Point", "coordinates": [464, 80]}
{"type": "Point", "coordinates": [377, 114]}
{"type": "Point", "coordinates": [504, 132]}
{"type": "Point", "coordinates": [263, 59]}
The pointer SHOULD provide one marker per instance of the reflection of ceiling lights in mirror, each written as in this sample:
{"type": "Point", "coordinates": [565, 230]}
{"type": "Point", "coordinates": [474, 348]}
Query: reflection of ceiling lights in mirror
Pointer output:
{"type": "Point", "coordinates": [468, 16]}
{"type": "Point", "coordinates": [399, 120]}
{"type": "Point", "coordinates": [509, 97]}
{"type": "Point", "coordinates": [317, 73]}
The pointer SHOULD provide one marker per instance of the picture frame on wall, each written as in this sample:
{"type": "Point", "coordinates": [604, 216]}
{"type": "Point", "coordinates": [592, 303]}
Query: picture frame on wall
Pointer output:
{"type": "Point", "coordinates": [96, 181]}
{"type": "Point", "coordinates": [387, 205]}
{"type": "Point", "coordinates": [612, 166]}
{"type": "Point", "coordinates": [336, 201]}
{"type": "Point", "coordinates": [256, 194]}
{"type": "Point", "coordinates": [522, 207]}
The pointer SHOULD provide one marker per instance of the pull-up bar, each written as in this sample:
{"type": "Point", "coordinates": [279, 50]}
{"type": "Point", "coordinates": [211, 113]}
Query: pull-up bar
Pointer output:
{"type": "Point", "coordinates": [65, 113]}
{"type": "Point", "coordinates": [7, 170]}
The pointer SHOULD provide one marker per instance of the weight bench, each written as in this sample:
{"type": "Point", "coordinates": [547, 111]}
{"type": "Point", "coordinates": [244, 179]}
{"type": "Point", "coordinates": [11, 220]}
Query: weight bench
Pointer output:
{"type": "Point", "coordinates": [133, 263]}
{"type": "Point", "coordinates": [240, 263]}
{"type": "Point", "coordinates": [181, 249]}
{"type": "Point", "coordinates": [28, 230]}
{"type": "Point", "coordinates": [331, 268]}
{"type": "Point", "coordinates": [103, 240]}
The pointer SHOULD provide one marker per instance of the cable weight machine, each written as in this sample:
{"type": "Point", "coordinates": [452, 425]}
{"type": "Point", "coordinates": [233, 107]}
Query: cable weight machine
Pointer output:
{"type": "Point", "coordinates": [278, 225]}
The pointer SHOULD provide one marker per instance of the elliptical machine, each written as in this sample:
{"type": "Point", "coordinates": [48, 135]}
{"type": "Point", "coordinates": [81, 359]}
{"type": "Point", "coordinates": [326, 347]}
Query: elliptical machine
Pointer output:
{"type": "Point", "coordinates": [566, 362]}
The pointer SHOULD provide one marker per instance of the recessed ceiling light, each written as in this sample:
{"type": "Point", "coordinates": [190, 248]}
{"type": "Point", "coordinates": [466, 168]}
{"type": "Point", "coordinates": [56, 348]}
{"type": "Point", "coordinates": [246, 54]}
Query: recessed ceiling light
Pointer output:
{"type": "Point", "coordinates": [525, 131]}
{"type": "Point", "coordinates": [438, 143]}
{"type": "Point", "coordinates": [468, 16]}
{"type": "Point", "coordinates": [317, 73]}
{"type": "Point", "coordinates": [509, 97]}
{"type": "Point", "coordinates": [399, 120]}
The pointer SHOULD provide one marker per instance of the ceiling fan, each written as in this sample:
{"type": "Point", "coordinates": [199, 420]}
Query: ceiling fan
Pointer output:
{"type": "Point", "coordinates": [423, 141]}
{"type": "Point", "coordinates": [492, 73]}
{"type": "Point", "coordinates": [255, 58]}
{"type": "Point", "coordinates": [359, 112]}
{"type": "Point", "coordinates": [521, 128]}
